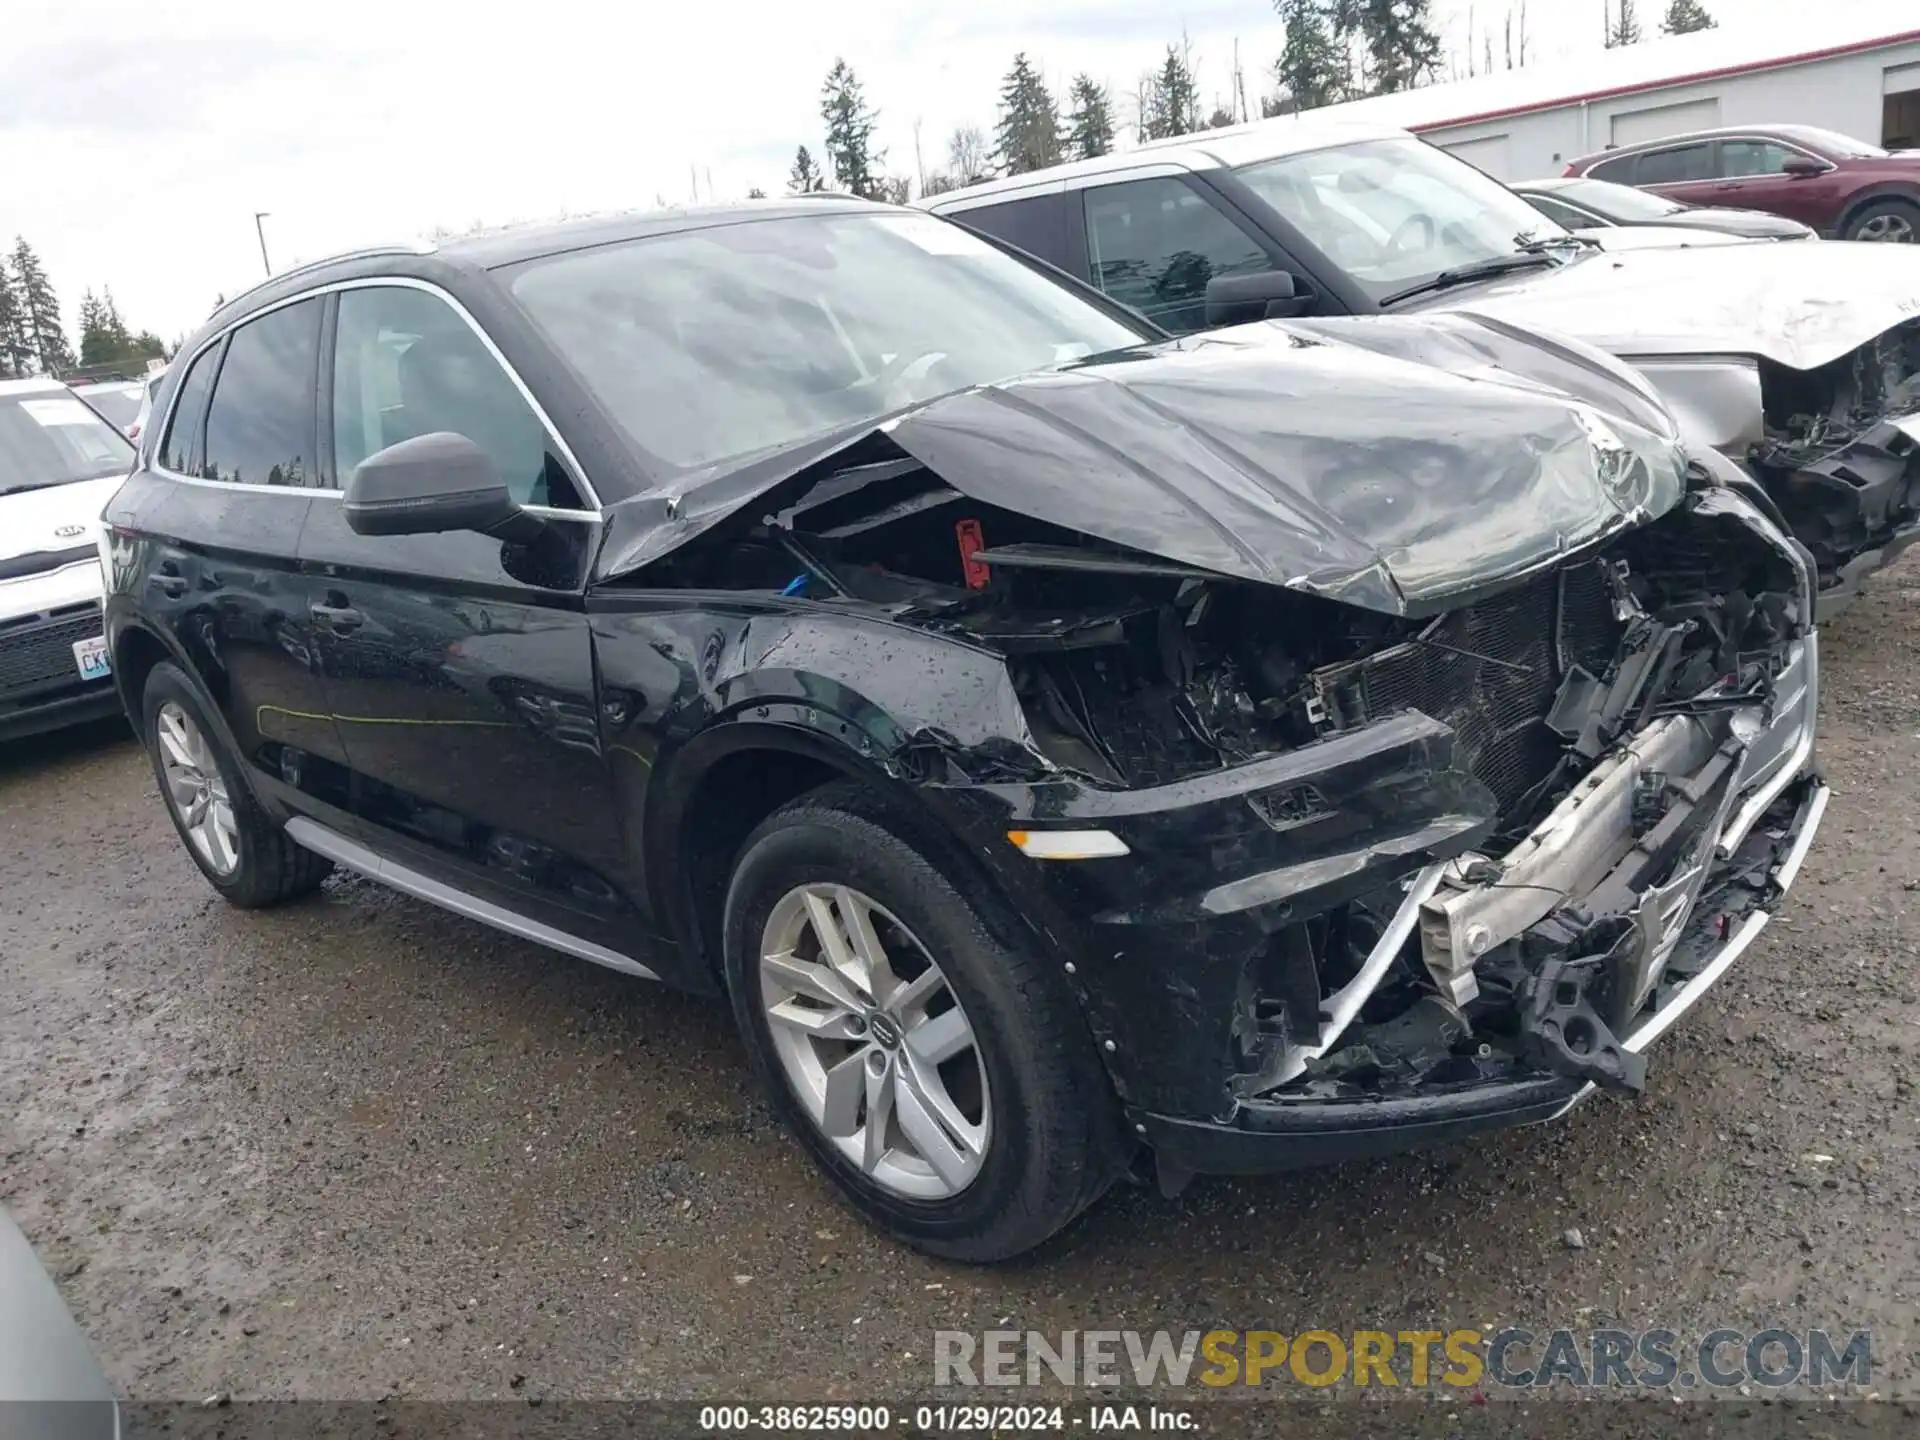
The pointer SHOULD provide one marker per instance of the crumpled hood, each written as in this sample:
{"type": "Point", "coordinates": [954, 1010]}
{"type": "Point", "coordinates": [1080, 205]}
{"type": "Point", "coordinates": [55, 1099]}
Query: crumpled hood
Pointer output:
{"type": "Point", "coordinates": [31, 521]}
{"type": "Point", "coordinates": [1276, 454]}
{"type": "Point", "coordinates": [1799, 305]}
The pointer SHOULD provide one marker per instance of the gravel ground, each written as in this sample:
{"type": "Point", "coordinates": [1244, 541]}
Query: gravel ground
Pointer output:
{"type": "Point", "coordinates": [360, 1148]}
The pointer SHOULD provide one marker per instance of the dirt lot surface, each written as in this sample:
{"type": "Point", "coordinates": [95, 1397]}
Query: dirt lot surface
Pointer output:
{"type": "Point", "coordinates": [361, 1148]}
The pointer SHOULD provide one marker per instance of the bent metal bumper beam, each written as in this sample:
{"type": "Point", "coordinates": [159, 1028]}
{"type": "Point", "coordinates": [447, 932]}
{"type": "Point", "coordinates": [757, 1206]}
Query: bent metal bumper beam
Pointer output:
{"type": "Point", "coordinates": [1281, 1134]}
{"type": "Point", "coordinates": [1584, 837]}
{"type": "Point", "coordinates": [1592, 829]}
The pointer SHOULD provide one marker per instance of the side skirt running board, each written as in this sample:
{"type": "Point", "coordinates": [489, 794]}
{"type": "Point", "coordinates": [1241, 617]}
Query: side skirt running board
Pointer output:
{"type": "Point", "coordinates": [351, 853]}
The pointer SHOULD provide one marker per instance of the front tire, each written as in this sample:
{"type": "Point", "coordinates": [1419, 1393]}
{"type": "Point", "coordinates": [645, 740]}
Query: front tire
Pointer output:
{"type": "Point", "coordinates": [238, 847]}
{"type": "Point", "coordinates": [1895, 222]}
{"type": "Point", "coordinates": [932, 1068]}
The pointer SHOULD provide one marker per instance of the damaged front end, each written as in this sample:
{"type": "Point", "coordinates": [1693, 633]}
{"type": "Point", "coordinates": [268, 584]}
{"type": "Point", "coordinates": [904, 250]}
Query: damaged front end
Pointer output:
{"type": "Point", "coordinates": [1477, 924]}
{"type": "Point", "coordinates": [1384, 878]}
{"type": "Point", "coordinates": [1431, 776]}
{"type": "Point", "coordinates": [1840, 454]}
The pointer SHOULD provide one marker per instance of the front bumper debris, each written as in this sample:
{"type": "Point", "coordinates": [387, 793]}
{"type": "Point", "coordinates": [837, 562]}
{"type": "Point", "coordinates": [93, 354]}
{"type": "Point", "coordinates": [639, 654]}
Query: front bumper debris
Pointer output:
{"type": "Point", "coordinates": [1378, 938]}
{"type": "Point", "coordinates": [1284, 1133]}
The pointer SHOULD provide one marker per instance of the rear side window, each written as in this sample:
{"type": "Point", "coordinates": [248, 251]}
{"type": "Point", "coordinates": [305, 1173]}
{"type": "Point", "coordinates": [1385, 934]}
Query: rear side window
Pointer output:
{"type": "Point", "coordinates": [405, 365]}
{"type": "Point", "coordinates": [1154, 244]}
{"type": "Point", "coordinates": [1675, 166]}
{"type": "Point", "coordinates": [1037, 226]}
{"type": "Point", "coordinates": [182, 452]}
{"type": "Point", "coordinates": [1618, 170]}
{"type": "Point", "coordinates": [260, 424]}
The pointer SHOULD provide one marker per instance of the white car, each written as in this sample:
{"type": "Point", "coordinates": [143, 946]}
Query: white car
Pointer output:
{"type": "Point", "coordinates": [59, 465]}
{"type": "Point", "coordinates": [118, 402]}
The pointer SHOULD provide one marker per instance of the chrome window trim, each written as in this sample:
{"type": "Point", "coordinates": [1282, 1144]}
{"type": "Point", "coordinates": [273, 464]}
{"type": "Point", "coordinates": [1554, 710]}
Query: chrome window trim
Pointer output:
{"type": "Point", "coordinates": [593, 509]}
{"type": "Point", "coordinates": [1065, 185]}
{"type": "Point", "coordinates": [1713, 143]}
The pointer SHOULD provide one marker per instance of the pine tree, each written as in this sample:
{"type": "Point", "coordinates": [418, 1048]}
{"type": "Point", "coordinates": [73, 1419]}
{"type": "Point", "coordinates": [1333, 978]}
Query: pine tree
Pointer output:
{"type": "Point", "coordinates": [1402, 47]}
{"type": "Point", "coordinates": [117, 331]}
{"type": "Point", "coordinates": [806, 175]}
{"type": "Point", "coordinates": [1172, 99]}
{"type": "Point", "coordinates": [850, 153]}
{"type": "Point", "coordinates": [1090, 122]}
{"type": "Point", "coordinates": [96, 341]}
{"type": "Point", "coordinates": [16, 351]}
{"type": "Point", "coordinates": [1624, 29]}
{"type": "Point", "coordinates": [1686, 16]}
{"type": "Point", "coordinates": [1313, 69]}
{"type": "Point", "coordinates": [40, 311]}
{"type": "Point", "coordinates": [1028, 135]}
{"type": "Point", "coordinates": [12, 347]}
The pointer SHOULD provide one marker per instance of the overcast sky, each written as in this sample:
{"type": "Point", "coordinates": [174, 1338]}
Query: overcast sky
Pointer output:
{"type": "Point", "coordinates": [138, 137]}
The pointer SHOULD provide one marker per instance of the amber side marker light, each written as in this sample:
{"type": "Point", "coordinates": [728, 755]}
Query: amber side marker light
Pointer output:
{"type": "Point", "coordinates": [1068, 844]}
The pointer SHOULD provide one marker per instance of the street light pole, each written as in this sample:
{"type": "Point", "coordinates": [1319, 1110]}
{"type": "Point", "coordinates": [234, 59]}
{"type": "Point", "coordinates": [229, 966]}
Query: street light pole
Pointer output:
{"type": "Point", "coordinates": [258, 216]}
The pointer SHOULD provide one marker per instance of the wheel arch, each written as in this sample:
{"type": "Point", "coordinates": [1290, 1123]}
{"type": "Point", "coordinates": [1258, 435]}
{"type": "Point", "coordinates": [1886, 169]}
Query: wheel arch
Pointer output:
{"type": "Point", "coordinates": [137, 650]}
{"type": "Point", "coordinates": [718, 788]}
{"type": "Point", "coordinates": [724, 782]}
{"type": "Point", "coordinates": [1873, 195]}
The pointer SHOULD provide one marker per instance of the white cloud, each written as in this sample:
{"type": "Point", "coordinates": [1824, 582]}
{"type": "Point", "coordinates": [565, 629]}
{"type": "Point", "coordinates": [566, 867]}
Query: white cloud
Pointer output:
{"type": "Point", "coordinates": [137, 139]}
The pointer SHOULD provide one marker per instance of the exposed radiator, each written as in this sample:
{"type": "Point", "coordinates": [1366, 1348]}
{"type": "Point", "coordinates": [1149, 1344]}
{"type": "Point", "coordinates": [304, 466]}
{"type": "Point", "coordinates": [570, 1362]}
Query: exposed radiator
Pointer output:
{"type": "Point", "coordinates": [1490, 672]}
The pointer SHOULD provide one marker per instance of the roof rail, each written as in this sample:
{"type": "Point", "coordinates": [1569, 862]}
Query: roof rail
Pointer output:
{"type": "Point", "coordinates": [367, 252]}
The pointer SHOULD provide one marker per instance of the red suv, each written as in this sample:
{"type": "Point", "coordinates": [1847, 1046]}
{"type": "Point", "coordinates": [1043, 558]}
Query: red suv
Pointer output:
{"type": "Point", "coordinates": [1845, 188]}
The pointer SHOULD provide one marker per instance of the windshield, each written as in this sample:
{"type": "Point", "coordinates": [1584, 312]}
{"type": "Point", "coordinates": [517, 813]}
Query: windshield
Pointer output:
{"type": "Point", "coordinates": [1395, 213]}
{"type": "Point", "coordinates": [120, 404]}
{"type": "Point", "coordinates": [713, 343]}
{"type": "Point", "coordinates": [1617, 202]}
{"type": "Point", "coordinates": [50, 438]}
{"type": "Point", "coordinates": [1833, 142]}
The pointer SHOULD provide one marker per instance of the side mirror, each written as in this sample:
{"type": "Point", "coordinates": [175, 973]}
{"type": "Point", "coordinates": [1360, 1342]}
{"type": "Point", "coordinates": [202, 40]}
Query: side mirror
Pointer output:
{"type": "Point", "coordinates": [433, 483]}
{"type": "Point", "coordinates": [1801, 166]}
{"type": "Point", "coordinates": [1267, 295]}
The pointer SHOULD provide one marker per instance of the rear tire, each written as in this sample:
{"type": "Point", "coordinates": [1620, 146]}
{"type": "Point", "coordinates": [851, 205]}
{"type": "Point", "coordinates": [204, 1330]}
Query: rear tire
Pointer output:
{"type": "Point", "coordinates": [238, 847]}
{"type": "Point", "coordinates": [1038, 1107]}
{"type": "Point", "coordinates": [1894, 222]}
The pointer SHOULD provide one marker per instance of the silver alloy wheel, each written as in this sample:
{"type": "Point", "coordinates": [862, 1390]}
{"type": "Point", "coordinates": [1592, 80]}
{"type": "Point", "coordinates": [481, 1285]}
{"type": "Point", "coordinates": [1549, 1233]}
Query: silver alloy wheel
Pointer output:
{"type": "Point", "coordinates": [196, 790]}
{"type": "Point", "coordinates": [874, 1042]}
{"type": "Point", "coordinates": [1887, 228]}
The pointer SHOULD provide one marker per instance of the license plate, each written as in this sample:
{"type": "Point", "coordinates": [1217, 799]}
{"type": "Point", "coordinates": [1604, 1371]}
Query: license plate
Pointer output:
{"type": "Point", "coordinates": [91, 657]}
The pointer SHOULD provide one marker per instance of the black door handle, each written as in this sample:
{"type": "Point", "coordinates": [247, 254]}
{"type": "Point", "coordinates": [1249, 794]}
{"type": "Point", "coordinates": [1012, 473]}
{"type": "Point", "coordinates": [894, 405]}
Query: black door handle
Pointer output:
{"type": "Point", "coordinates": [171, 586]}
{"type": "Point", "coordinates": [339, 619]}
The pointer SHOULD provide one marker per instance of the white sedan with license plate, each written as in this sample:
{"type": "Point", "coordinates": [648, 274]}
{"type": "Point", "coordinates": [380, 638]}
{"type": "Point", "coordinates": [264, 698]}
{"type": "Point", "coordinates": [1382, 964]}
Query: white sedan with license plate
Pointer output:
{"type": "Point", "coordinates": [59, 463]}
